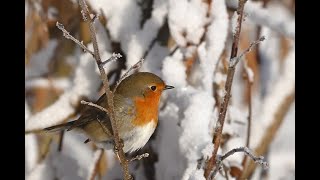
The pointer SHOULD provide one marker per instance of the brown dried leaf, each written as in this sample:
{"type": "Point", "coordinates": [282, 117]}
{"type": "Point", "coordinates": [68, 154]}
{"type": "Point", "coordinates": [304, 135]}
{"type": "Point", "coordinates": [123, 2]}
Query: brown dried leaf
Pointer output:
{"type": "Point", "coordinates": [235, 172]}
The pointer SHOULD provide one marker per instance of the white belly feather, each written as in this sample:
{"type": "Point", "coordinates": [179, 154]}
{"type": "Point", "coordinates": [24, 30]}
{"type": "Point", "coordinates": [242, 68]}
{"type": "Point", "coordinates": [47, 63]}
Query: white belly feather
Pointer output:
{"type": "Point", "coordinates": [138, 137]}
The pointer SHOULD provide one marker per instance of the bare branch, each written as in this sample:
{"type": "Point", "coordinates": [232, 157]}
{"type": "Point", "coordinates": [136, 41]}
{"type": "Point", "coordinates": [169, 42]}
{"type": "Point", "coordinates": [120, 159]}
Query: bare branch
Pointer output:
{"type": "Point", "coordinates": [67, 35]}
{"type": "Point", "coordinates": [270, 132]}
{"type": "Point", "coordinates": [132, 68]}
{"type": "Point", "coordinates": [118, 145]}
{"type": "Point", "coordinates": [139, 157]}
{"type": "Point", "coordinates": [97, 157]}
{"type": "Point", "coordinates": [114, 57]}
{"type": "Point", "coordinates": [94, 105]}
{"type": "Point", "coordinates": [249, 83]}
{"type": "Point", "coordinates": [224, 106]}
{"type": "Point", "coordinates": [234, 61]}
{"type": "Point", "coordinates": [60, 141]}
{"type": "Point", "coordinates": [260, 160]}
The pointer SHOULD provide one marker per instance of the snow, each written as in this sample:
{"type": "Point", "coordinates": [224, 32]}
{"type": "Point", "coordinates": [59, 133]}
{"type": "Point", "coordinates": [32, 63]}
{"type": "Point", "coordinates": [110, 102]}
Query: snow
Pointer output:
{"type": "Point", "coordinates": [31, 146]}
{"type": "Point", "coordinates": [181, 11]}
{"type": "Point", "coordinates": [141, 40]}
{"type": "Point", "coordinates": [284, 23]}
{"type": "Point", "coordinates": [86, 82]}
{"type": "Point", "coordinates": [96, 156]}
{"type": "Point", "coordinates": [123, 19]}
{"type": "Point", "coordinates": [38, 64]}
{"type": "Point", "coordinates": [58, 83]}
{"type": "Point", "coordinates": [210, 52]}
{"type": "Point", "coordinates": [174, 70]}
{"type": "Point", "coordinates": [41, 171]}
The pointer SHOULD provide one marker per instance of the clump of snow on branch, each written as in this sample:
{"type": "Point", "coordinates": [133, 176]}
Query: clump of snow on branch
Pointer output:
{"type": "Point", "coordinates": [142, 39]}
{"type": "Point", "coordinates": [123, 19]}
{"type": "Point", "coordinates": [174, 70]}
{"type": "Point", "coordinates": [264, 16]}
{"type": "Point", "coordinates": [194, 12]}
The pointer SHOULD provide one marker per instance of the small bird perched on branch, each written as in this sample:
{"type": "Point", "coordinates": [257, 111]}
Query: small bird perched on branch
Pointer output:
{"type": "Point", "coordinates": [136, 104]}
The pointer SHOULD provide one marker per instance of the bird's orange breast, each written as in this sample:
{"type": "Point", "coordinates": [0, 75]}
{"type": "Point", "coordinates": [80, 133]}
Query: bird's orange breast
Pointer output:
{"type": "Point", "coordinates": [147, 109]}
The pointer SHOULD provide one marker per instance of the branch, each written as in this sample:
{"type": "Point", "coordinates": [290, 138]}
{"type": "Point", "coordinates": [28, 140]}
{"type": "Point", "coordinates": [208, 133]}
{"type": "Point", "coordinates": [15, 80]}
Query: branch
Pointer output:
{"type": "Point", "coordinates": [234, 61]}
{"type": "Point", "coordinates": [223, 108]}
{"type": "Point", "coordinates": [123, 161]}
{"type": "Point", "coordinates": [247, 151]}
{"type": "Point", "coordinates": [96, 159]}
{"type": "Point", "coordinates": [139, 157]}
{"type": "Point", "coordinates": [67, 35]}
{"type": "Point", "coordinates": [270, 132]}
{"type": "Point", "coordinates": [60, 141]}
{"type": "Point", "coordinates": [114, 57]}
{"type": "Point", "coordinates": [95, 105]}
{"type": "Point", "coordinates": [250, 78]}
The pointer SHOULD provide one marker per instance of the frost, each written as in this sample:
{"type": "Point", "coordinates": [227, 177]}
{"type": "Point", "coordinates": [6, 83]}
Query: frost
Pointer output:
{"type": "Point", "coordinates": [234, 23]}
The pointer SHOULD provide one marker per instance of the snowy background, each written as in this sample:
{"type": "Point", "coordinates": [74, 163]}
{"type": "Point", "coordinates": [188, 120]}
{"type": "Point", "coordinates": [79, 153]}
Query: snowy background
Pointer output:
{"type": "Point", "coordinates": [188, 44]}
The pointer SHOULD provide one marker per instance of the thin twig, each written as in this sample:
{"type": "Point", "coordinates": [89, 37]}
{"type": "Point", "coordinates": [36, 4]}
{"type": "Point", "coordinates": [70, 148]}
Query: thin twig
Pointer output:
{"type": "Point", "coordinates": [94, 105]}
{"type": "Point", "coordinates": [118, 145]}
{"type": "Point", "coordinates": [249, 83]}
{"type": "Point", "coordinates": [67, 35]}
{"type": "Point", "coordinates": [260, 160]}
{"type": "Point", "coordinates": [114, 57]}
{"type": "Point", "coordinates": [223, 108]}
{"type": "Point", "coordinates": [225, 171]}
{"type": "Point", "coordinates": [234, 61]}
{"type": "Point", "coordinates": [134, 67]}
{"type": "Point", "coordinates": [60, 141]}
{"type": "Point", "coordinates": [98, 154]}
{"type": "Point", "coordinates": [139, 157]}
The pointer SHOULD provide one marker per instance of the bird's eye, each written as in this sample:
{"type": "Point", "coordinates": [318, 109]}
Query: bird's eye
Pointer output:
{"type": "Point", "coordinates": [153, 88]}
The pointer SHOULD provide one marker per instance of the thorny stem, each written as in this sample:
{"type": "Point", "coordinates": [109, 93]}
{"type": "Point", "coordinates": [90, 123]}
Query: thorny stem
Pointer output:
{"type": "Point", "coordinates": [223, 108]}
{"type": "Point", "coordinates": [123, 161]}
{"type": "Point", "coordinates": [247, 151]}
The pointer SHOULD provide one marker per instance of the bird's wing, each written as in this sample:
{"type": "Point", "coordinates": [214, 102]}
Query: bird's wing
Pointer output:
{"type": "Point", "coordinates": [88, 114]}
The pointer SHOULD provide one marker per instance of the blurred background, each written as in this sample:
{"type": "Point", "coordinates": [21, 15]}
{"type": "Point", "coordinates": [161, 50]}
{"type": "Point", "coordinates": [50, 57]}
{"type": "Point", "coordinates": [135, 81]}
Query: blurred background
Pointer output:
{"type": "Point", "coordinates": [188, 44]}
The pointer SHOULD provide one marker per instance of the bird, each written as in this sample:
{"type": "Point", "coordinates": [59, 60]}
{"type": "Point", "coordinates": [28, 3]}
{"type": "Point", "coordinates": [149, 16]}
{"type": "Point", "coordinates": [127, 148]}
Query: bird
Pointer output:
{"type": "Point", "coordinates": [136, 107]}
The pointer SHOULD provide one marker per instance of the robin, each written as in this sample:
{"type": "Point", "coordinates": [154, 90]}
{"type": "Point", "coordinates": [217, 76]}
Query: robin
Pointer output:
{"type": "Point", "coordinates": [136, 103]}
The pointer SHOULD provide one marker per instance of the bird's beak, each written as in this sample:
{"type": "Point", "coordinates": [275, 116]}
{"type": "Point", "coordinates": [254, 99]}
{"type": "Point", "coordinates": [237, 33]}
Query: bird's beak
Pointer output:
{"type": "Point", "coordinates": [168, 87]}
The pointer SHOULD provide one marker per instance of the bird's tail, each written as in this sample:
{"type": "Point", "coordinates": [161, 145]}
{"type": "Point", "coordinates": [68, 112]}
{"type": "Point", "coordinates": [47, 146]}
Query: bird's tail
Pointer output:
{"type": "Point", "coordinates": [66, 126]}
